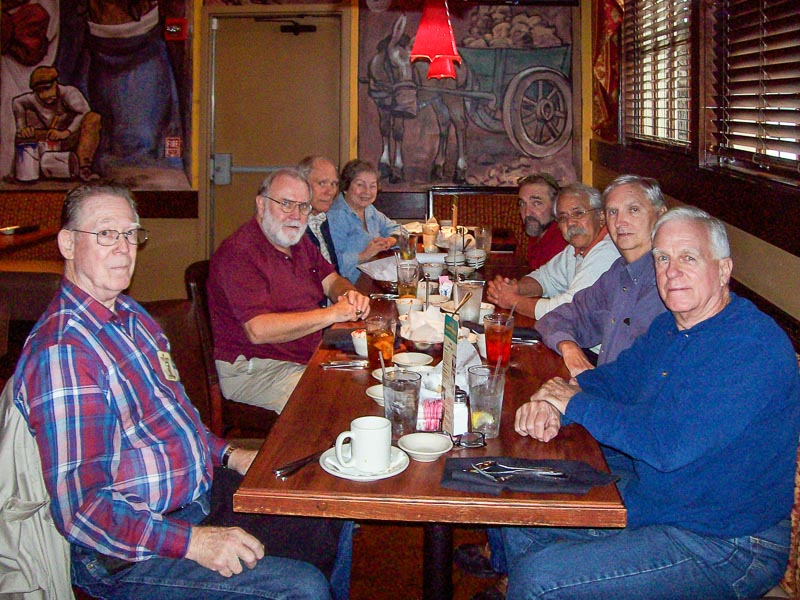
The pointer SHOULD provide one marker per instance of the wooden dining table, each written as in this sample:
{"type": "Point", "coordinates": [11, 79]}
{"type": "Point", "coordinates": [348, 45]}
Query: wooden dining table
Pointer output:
{"type": "Point", "coordinates": [326, 401]}
{"type": "Point", "coordinates": [16, 241]}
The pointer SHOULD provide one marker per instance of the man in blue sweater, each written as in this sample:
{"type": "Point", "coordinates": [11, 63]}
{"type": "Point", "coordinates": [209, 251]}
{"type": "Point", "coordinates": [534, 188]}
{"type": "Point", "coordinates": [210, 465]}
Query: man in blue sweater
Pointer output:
{"type": "Point", "coordinates": [707, 405]}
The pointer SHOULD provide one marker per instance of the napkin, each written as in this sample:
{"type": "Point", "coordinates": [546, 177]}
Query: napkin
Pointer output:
{"type": "Point", "coordinates": [413, 227]}
{"type": "Point", "coordinates": [338, 338]}
{"type": "Point", "coordinates": [383, 269]}
{"type": "Point", "coordinates": [424, 326]}
{"type": "Point", "coordinates": [580, 477]}
{"type": "Point", "coordinates": [431, 257]}
{"type": "Point", "coordinates": [466, 357]}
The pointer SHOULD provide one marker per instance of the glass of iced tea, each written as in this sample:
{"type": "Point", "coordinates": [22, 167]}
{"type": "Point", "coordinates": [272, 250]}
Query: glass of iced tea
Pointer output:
{"type": "Point", "coordinates": [380, 340]}
{"type": "Point", "coordinates": [497, 329]}
{"type": "Point", "coordinates": [407, 278]}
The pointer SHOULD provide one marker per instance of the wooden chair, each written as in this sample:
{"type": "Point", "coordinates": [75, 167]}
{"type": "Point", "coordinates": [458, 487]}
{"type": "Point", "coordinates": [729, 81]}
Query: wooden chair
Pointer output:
{"type": "Point", "coordinates": [24, 295]}
{"type": "Point", "coordinates": [228, 418]}
{"type": "Point", "coordinates": [496, 207]}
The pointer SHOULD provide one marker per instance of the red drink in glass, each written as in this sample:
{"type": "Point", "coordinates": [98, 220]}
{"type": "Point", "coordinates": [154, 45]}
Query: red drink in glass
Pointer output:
{"type": "Point", "coordinates": [497, 329]}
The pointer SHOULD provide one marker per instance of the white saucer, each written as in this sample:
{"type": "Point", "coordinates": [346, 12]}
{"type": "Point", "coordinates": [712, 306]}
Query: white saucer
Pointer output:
{"type": "Point", "coordinates": [398, 463]}
{"type": "Point", "coordinates": [411, 359]}
{"type": "Point", "coordinates": [376, 393]}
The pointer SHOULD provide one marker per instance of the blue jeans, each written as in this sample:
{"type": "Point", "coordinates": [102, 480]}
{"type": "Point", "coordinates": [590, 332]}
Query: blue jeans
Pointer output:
{"type": "Point", "coordinates": [272, 578]}
{"type": "Point", "coordinates": [618, 463]}
{"type": "Point", "coordinates": [652, 562]}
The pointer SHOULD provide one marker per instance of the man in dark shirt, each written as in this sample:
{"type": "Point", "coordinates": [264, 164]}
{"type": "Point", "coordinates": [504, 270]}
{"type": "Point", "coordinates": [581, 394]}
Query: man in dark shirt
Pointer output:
{"type": "Point", "coordinates": [324, 181]}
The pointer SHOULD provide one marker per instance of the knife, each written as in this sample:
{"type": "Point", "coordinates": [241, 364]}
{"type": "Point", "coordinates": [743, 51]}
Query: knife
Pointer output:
{"type": "Point", "coordinates": [345, 364]}
{"type": "Point", "coordinates": [294, 466]}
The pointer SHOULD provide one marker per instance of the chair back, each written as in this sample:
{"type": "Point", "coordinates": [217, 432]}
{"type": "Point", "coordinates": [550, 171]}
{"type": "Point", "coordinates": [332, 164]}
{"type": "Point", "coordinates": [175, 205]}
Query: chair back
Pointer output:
{"type": "Point", "coordinates": [495, 207]}
{"type": "Point", "coordinates": [228, 418]}
{"type": "Point", "coordinates": [177, 319]}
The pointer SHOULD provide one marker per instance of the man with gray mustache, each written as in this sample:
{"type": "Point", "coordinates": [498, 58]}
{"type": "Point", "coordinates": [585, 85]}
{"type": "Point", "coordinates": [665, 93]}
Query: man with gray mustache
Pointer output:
{"type": "Point", "coordinates": [590, 253]}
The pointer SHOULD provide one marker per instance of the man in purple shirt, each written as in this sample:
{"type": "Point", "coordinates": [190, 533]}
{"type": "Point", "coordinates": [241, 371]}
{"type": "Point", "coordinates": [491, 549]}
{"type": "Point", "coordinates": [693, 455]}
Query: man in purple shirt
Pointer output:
{"type": "Point", "coordinates": [125, 457]}
{"type": "Point", "coordinates": [622, 303]}
{"type": "Point", "coordinates": [265, 286]}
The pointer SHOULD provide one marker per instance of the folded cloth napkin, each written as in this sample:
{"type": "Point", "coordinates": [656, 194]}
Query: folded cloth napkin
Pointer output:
{"type": "Point", "coordinates": [383, 269]}
{"type": "Point", "coordinates": [579, 476]}
{"type": "Point", "coordinates": [523, 333]}
{"type": "Point", "coordinates": [338, 338]}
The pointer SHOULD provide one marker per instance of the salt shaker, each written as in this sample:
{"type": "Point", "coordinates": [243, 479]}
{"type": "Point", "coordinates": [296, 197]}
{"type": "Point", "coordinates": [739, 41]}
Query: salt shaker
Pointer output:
{"type": "Point", "coordinates": [460, 412]}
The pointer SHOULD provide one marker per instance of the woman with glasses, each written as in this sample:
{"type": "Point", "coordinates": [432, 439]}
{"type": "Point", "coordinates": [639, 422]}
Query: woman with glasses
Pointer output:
{"type": "Point", "coordinates": [359, 230]}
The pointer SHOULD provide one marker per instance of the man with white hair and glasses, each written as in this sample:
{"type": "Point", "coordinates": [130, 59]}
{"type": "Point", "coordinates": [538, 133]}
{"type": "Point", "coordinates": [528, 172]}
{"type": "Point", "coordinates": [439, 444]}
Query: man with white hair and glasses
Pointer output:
{"type": "Point", "coordinates": [265, 286]}
{"type": "Point", "coordinates": [579, 214]}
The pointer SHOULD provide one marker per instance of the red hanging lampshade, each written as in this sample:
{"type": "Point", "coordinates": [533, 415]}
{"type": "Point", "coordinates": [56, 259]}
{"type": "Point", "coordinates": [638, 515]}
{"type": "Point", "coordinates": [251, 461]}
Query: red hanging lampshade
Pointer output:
{"type": "Point", "coordinates": [435, 40]}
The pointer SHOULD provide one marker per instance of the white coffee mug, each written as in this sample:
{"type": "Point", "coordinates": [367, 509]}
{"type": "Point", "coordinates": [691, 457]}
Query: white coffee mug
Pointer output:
{"type": "Point", "coordinates": [370, 444]}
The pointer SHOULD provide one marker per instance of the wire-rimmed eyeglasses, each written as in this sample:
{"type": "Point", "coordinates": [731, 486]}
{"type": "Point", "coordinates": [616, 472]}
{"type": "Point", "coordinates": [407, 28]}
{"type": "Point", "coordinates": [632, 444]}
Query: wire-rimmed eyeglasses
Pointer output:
{"type": "Point", "coordinates": [109, 237]}
{"type": "Point", "coordinates": [576, 214]}
{"type": "Point", "coordinates": [288, 206]}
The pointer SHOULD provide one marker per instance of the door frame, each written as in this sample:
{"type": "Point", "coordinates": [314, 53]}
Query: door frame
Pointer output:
{"type": "Point", "coordinates": [348, 86]}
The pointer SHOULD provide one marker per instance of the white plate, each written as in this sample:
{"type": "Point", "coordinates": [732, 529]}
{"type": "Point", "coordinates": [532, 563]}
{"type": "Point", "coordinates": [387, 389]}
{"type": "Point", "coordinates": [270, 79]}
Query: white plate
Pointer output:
{"type": "Point", "coordinates": [420, 369]}
{"type": "Point", "coordinates": [398, 463]}
{"type": "Point", "coordinates": [376, 393]}
{"type": "Point", "coordinates": [411, 359]}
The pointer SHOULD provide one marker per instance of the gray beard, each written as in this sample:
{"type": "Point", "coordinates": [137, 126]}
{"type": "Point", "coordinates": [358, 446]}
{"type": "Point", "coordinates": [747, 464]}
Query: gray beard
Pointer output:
{"type": "Point", "coordinates": [273, 230]}
{"type": "Point", "coordinates": [533, 228]}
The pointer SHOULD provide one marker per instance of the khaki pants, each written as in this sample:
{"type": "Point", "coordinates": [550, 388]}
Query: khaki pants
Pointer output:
{"type": "Point", "coordinates": [261, 382]}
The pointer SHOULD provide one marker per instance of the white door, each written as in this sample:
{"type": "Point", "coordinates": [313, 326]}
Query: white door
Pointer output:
{"type": "Point", "coordinates": [276, 98]}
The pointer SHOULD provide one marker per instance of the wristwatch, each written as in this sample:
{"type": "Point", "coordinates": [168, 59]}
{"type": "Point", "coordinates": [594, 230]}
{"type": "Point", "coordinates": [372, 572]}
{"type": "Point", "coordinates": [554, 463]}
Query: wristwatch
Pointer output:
{"type": "Point", "coordinates": [225, 457]}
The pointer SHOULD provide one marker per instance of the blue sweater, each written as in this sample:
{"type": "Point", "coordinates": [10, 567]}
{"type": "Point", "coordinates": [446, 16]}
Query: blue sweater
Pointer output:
{"type": "Point", "coordinates": [711, 417]}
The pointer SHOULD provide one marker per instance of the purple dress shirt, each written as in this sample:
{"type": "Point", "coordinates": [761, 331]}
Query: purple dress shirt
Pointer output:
{"type": "Point", "coordinates": [617, 309]}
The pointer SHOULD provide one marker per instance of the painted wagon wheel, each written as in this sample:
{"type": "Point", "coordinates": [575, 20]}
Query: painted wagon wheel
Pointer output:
{"type": "Point", "coordinates": [537, 111]}
{"type": "Point", "coordinates": [486, 114]}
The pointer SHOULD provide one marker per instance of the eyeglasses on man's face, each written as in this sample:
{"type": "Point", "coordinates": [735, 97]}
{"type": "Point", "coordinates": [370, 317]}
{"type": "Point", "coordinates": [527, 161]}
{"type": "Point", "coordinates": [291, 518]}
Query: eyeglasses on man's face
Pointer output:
{"type": "Point", "coordinates": [109, 237]}
{"type": "Point", "coordinates": [577, 213]}
{"type": "Point", "coordinates": [288, 206]}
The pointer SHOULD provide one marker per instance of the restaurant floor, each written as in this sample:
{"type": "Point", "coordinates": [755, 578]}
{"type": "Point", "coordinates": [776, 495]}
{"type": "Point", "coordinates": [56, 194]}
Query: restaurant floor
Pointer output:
{"type": "Point", "coordinates": [387, 563]}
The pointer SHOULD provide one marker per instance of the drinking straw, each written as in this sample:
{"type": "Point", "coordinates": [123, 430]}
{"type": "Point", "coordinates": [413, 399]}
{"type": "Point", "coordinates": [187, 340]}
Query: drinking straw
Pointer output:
{"type": "Point", "coordinates": [383, 365]}
{"type": "Point", "coordinates": [493, 380]}
{"type": "Point", "coordinates": [513, 308]}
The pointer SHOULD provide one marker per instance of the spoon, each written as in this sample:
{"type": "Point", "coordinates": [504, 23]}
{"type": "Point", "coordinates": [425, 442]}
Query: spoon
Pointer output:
{"type": "Point", "coordinates": [466, 297]}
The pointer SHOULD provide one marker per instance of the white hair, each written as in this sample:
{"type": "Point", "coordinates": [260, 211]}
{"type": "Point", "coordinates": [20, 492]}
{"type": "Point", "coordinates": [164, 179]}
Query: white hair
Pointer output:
{"type": "Point", "coordinates": [717, 235]}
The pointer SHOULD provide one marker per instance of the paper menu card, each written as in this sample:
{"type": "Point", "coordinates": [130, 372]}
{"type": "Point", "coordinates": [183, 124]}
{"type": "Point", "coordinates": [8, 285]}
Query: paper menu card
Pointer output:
{"type": "Point", "coordinates": [449, 371]}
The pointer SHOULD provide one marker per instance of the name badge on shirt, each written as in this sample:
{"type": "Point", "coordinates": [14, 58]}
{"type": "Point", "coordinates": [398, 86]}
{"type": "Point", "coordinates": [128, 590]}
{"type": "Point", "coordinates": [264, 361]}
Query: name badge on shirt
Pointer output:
{"type": "Point", "coordinates": [167, 366]}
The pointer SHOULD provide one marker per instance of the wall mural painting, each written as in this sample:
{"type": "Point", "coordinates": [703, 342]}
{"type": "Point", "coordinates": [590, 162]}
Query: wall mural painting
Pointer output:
{"type": "Point", "coordinates": [95, 88]}
{"type": "Point", "coordinates": [508, 113]}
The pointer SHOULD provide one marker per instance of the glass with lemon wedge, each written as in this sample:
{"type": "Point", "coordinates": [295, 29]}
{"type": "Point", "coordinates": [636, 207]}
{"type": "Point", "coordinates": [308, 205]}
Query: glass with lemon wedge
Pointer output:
{"type": "Point", "coordinates": [486, 386]}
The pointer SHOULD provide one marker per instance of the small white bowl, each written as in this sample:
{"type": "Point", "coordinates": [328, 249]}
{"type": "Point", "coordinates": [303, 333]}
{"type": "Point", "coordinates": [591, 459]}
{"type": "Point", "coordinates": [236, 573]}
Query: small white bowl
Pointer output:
{"type": "Point", "coordinates": [462, 271]}
{"type": "Point", "coordinates": [433, 270]}
{"type": "Point", "coordinates": [425, 447]}
{"type": "Point", "coordinates": [411, 359]}
{"type": "Point", "coordinates": [376, 393]}
{"type": "Point", "coordinates": [406, 305]}
{"type": "Point", "coordinates": [360, 341]}
{"type": "Point", "coordinates": [486, 309]}
{"type": "Point", "coordinates": [436, 299]}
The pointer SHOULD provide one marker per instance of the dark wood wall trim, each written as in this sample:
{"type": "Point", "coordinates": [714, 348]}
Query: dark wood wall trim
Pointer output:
{"type": "Point", "coordinates": [767, 210]}
{"type": "Point", "coordinates": [152, 204]}
{"type": "Point", "coordinates": [168, 205]}
{"type": "Point", "coordinates": [786, 321]}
